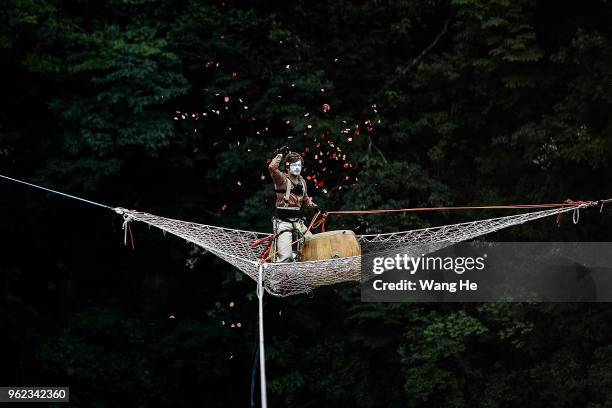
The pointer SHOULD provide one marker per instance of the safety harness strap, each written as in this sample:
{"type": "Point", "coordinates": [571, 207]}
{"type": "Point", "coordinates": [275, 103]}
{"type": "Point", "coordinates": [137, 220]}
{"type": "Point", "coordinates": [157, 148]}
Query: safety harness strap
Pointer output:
{"type": "Point", "coordinates": [287, 192]}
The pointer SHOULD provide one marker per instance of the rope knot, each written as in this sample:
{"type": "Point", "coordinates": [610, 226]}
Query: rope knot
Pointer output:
{"type": "Point", "coordinates": [127, 218]}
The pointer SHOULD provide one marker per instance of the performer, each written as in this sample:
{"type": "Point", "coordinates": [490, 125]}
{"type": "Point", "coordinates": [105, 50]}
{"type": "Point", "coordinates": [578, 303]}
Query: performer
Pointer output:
{"type": "Point", "coordinates": [291, 198]}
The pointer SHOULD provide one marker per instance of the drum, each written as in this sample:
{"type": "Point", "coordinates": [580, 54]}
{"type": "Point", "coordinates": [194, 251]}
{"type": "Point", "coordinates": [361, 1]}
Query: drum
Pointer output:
{"type": "Point", "coordinates": [330, 244]}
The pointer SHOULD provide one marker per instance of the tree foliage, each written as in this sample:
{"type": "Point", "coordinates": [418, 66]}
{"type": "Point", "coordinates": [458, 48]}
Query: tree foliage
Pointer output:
{"type": "Point", "coordinates": [174, 107]}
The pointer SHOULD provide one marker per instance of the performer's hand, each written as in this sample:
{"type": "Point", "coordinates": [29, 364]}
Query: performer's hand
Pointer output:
{"type": "Point", "coordinates": [282, 151]}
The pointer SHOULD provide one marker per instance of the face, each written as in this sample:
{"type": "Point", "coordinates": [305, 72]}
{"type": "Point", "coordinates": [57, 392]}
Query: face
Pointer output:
{"type": "Point", "coordinates": [295, 168]}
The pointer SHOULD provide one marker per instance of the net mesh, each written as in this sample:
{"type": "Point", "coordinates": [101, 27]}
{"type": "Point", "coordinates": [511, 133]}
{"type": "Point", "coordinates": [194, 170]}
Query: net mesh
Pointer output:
{"type": "Point", "coordinates": [284, 279]}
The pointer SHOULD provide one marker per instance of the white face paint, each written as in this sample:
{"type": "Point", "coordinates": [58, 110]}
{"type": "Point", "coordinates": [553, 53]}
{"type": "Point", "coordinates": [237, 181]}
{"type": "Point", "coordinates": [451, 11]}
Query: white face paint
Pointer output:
{"type": "Point", "coordinates": [295, 168]}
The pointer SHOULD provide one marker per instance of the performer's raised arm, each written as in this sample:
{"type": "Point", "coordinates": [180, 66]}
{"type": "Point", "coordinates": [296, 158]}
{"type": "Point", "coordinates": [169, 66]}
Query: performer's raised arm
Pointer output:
{"type": "Point", "coordinates": [277, 176]}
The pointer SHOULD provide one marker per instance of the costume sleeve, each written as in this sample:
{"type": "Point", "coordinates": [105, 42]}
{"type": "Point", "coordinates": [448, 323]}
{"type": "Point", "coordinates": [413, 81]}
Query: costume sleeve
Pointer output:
{"type": "Point", "coordinates": [277, 176]}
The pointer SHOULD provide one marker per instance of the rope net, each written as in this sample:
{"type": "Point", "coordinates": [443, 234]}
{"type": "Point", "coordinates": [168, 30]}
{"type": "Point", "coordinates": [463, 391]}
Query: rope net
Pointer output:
{"type": "Point", "coordinates": [284, 279]}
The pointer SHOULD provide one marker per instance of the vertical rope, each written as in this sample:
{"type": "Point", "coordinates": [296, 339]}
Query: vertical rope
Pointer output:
{"type": "Point", "coordinates": [262, 358]}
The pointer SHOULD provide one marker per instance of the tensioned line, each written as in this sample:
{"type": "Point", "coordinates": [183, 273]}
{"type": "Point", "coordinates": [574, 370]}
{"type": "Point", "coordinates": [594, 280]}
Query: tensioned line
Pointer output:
{"type": "Point", "coordinates": [57, 192]}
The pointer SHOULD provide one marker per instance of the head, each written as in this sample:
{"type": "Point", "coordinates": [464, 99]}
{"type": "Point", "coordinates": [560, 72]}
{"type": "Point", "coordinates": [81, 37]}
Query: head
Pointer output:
{"type": "Point", "coordinates": [293, 163]}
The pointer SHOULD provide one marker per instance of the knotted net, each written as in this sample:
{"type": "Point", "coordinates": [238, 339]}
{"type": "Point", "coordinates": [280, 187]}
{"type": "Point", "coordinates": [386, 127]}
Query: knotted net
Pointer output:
{"type": "Point", "coordinates": [284, 279]}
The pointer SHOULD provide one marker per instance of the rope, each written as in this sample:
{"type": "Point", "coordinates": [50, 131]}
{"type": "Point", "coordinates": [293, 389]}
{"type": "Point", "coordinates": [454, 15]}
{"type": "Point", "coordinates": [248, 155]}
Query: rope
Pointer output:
{"type": "Point", "coordinates": [567, 203]}
{"type": "Point", "coordinates": [127, 229]}
{"type": "Point", "coordinates": [262, 357]}
{"type": "Point", "coordinates": [253, 375]}
{"type": "Point", "coordinates": [57, 192]}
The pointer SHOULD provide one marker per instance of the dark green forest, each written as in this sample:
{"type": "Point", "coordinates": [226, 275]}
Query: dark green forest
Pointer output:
{"type": "Point", "coordinates": [175, 107]}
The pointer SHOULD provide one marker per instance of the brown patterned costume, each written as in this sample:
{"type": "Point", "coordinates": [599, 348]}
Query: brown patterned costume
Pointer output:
{"type": "Point", "coordinates": [291, 198]}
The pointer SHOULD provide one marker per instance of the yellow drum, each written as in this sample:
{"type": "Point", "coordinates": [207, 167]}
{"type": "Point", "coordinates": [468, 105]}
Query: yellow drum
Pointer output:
{"type": "Point", "coordinates": [330, 244]}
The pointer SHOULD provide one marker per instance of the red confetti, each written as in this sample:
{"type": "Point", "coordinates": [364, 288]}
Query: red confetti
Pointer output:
{"type": "Point", "coordinates": [234, 74]}
{"type": "Point", "coordinates": [224, 207]}
{"type": "Point", "coordinates": [326, 107]}
{"type": "Point", "coordinates": [226, 99]}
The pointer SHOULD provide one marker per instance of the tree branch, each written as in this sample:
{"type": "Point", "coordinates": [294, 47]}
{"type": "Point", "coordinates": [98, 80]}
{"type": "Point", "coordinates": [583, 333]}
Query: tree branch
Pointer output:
{"type": "Point", "coordinates": [403, 71]}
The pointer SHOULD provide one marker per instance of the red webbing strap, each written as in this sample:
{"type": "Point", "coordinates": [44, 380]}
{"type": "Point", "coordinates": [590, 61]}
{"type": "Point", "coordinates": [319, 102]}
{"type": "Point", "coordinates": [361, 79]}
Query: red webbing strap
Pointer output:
{"type": "Point", "coordinates": [567, 203]}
